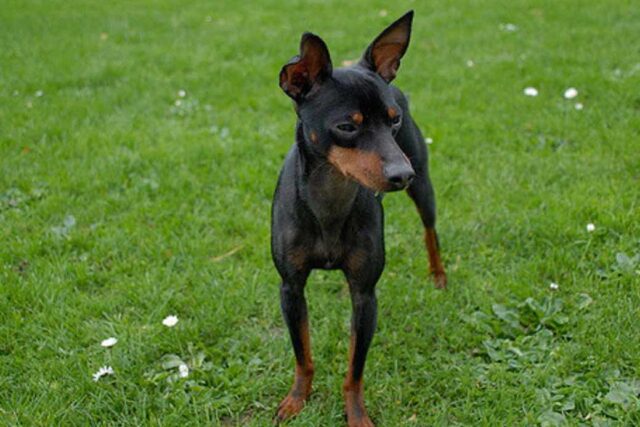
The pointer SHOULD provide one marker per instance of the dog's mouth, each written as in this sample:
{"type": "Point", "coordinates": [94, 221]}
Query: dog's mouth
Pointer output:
{"type": "Point", "coordinates": [371, 182]}
{"type": "Point", "coordinates": [399, 183]}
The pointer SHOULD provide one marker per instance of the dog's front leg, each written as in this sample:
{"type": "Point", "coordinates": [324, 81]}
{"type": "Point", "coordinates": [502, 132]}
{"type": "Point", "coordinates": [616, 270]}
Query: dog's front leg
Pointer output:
{"type": "Point", "coordinates": [362, 281]}
{"type": "Point", "coordinates": [294, 311]}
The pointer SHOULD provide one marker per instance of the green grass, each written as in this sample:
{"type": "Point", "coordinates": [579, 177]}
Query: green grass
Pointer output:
{"type": "Point", "coordinates": [171, 208]}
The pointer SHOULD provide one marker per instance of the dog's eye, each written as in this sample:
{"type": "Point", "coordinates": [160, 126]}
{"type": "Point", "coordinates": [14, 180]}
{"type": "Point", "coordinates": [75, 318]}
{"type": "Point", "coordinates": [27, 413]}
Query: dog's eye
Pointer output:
{"type": "Point", "coordinates": [396, 120]}
{"type": "Point", "coordinates": [347, 127]}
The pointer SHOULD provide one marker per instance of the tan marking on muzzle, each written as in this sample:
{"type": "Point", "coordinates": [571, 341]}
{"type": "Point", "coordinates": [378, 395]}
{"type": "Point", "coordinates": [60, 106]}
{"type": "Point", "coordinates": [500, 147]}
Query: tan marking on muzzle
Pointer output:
{"type": "Point", "coordinates": [364, 167]}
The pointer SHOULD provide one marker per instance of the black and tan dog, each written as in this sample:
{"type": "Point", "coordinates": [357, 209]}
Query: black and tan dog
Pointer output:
{"type": "Point", "coordinates": [355, 139]}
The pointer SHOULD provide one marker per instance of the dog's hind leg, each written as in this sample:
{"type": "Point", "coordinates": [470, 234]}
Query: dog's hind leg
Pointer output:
{"type": "Point", "coordinates": [422, 194]}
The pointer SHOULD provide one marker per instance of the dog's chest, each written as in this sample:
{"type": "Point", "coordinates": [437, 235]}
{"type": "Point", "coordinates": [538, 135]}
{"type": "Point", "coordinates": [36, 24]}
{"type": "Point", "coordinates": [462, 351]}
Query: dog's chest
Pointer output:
{"type": "Point", "coordinates": [331, 200]}
{"type": "Point", "coordinates": [328, 248]}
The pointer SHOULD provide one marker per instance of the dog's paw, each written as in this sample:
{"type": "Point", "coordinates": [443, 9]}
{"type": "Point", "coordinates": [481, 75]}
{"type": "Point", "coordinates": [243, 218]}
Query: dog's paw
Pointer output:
{"type": "Point", "coordinates": [440, 279]}
{"type": "Point", "coordinates": [364, 421]}
{"type": "Point", "coordinates": [289, 407]}
{"type": "Point", "coordinates": [355, 410]}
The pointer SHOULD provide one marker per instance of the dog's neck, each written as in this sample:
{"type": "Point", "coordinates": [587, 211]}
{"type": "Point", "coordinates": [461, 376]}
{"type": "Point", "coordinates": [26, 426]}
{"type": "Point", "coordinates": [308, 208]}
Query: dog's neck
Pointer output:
{"type": "Point", "coordinates": [328, 193]}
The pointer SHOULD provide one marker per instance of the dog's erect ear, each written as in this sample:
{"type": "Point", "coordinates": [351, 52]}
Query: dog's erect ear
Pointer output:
{"type": "Point", "coordinates": [383, 55]}
{"type": "Point", "coordinates": [311, 67]}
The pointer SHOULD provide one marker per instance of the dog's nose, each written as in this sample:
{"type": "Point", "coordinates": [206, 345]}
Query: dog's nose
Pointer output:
{"type": "Point", "coordinates": [399, 177]}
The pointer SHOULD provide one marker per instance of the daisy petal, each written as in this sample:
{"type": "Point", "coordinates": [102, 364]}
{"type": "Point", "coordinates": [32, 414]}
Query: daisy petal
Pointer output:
{"type": "Point", "coordinates": [170, 321]}
{"type": "Point", "coordinates": [183, 370]}
{"type": "Point", "coordinates": [509, 27]}
{"type": "Point", "coordinates": [570, 93]}
{"type": "Point", "coordinates": [109, 342]}
{"type": "Point", "coordinates": [103, 371]}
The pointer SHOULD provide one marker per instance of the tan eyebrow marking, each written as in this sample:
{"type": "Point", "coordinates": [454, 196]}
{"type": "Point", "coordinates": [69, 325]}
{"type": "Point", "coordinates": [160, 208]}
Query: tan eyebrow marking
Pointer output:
{"type": "Point", "coordinates": [357, 118]}
{"type": "Point", "coordinates": [392, 112]}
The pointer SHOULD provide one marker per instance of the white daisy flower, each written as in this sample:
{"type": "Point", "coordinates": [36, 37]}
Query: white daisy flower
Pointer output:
{"type": "Point", "coordinates": [182, 93]}
{"type": "Point", "coordinates": [578, 106]}
{"type": "Point", "coordinates": [570, 93]}
{"type": "Point", "coordinates": [178, 102]}
{"type": "Point", "coordinates": [508, 27]}
{"type": "Point", "coordinates": [170, 321]}
{"type": "Point", "coordinates": [39, 93]}
{"type": "Point", "coordinates": [531, 91]}
{"type": "Point", "coordinates": [470, 63]}
{"type": "Point", "coordinates": [428, 140]}
{"type": "Point", "coordinates": [103, 371]}
{"type": "Point", "coordinates": [109, 342]}
{"type": "Point", "coordinates": [591, 227]}
{"type": "Point", "coordinates": [383, 13]}
{"type": "Point", "coordinates": [183, 370]}
{"type": "Point", "coordinates": [554, 286]}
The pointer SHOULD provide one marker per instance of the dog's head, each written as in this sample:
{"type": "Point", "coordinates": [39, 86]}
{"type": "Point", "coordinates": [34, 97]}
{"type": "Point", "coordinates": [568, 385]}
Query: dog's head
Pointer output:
{"type": "Point", "coordinates": [349, 115]}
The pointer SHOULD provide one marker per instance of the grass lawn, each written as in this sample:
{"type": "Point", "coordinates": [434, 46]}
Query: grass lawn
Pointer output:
{"type": "Point", "coordinates": [122, 203]}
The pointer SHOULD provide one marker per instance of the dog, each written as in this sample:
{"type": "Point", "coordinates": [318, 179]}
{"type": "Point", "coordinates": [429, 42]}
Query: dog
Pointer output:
{"type": "Point", "coordinates": [354, 140]}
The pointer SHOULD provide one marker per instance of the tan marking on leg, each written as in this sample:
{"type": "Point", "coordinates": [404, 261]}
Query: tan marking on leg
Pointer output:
{"type": "Point", "coordinates": [293, 403]}
{"type": "Point", "coordinates": [353, 391]}
{"type": "Point", "coordinates": [356, 260]}
{"type": "Point", "coordinates": [297, 257]}
{"type": "Point", "coordinates": [435, 264]}
{"type": "Point", "coordinates": [304, 370]}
